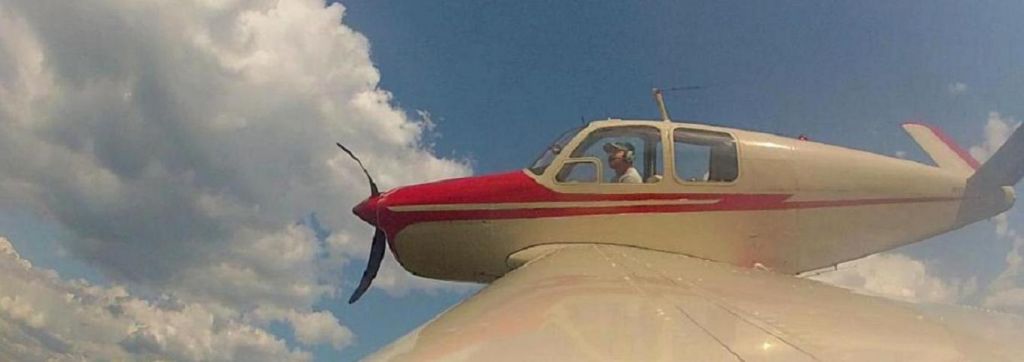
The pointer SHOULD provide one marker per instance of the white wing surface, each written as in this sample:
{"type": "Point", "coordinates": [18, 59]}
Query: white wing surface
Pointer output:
{"type": "Point", "coordinates": [612, 303]}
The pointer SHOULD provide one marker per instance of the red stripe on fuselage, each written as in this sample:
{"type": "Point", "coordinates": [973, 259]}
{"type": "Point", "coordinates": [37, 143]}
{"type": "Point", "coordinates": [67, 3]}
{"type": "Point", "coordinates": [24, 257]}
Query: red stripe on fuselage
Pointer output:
{"type": "Point", "coordinates": [728, 203]}
{"type": "Point", "coordinates": [517, 187]}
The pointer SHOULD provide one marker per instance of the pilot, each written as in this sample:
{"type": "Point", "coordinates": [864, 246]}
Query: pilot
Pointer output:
{"type": "Point", "coordinates": [620, 159]}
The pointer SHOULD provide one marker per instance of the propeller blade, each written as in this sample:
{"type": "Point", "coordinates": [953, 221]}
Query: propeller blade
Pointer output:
{"type": "Point", "coordinates": [373, 186]}
{"type": "Point", "coordinates": [372, 265]}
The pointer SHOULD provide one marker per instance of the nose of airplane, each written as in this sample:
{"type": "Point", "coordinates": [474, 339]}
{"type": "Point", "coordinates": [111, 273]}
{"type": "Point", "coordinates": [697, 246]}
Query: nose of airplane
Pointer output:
{"type": "Point", "coordinates": [367, 210]}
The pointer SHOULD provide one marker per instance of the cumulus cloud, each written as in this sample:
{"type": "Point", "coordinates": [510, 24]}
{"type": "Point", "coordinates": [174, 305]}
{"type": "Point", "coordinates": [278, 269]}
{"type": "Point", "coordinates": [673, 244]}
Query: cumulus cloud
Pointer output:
{"type": "Point", "coordinates": [43, 317]}
{"type": "Point", "coordinates": [997, 129]}
{"type": "Point", "coordinates": [1006, 292]}
{"type": "Point", "coordinates": [896, 276]}
{"type": "Point", "coordinates": [180, 142]}
{"type": "Point", "coordinates": [309, 328]}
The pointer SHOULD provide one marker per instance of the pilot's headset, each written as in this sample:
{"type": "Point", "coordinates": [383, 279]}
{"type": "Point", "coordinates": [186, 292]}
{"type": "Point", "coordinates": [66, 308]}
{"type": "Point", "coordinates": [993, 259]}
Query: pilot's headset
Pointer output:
{"type": "Point", "coordinates": [612, 147]}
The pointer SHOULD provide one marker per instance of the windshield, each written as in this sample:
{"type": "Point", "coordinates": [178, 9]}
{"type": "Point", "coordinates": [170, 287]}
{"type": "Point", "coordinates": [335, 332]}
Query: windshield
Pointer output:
{"type": "Point", "coordinates": [549, 154]}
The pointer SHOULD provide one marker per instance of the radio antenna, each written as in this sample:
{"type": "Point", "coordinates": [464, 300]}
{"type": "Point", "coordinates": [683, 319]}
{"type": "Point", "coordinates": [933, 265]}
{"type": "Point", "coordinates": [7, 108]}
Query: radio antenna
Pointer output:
{"type": "Point", "coordinates": [660, 99]}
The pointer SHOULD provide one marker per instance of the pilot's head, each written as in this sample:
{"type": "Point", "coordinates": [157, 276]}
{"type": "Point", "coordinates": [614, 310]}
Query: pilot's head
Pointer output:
{"type": "Point", "coordinates": [620, 155]}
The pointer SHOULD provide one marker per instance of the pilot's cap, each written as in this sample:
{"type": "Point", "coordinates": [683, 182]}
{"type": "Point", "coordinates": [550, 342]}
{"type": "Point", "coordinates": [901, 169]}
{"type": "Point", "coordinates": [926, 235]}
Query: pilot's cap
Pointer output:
{"type": "Point", "coordinates": [612, 147]}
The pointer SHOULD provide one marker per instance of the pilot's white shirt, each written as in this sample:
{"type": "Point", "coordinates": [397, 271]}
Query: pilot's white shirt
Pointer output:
{"type": "Point", "coordinates": [631, 176]}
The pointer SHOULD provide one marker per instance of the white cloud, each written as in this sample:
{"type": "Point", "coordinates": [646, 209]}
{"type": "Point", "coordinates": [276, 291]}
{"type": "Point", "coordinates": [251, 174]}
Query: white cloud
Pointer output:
{"type": "Point", "coordinates": [1002, 223]}
{"type": "Point", "coordinates": [1006, 292]}
{"type": "Point", "coordinates": [180, 142]}
{"type": "Point", "coordinates": [895, 276]}
{"type": "Point", "coordinates": [43, 317]}
{"type": "Point", "coordinates": [997, 130]}
{"type": "Point", "coordinates": [309, 328]}
{"type": "Point", "coordinates": [956, 88]}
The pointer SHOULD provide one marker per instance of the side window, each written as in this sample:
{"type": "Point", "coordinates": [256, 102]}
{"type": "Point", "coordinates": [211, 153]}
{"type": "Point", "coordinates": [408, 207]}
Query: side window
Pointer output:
{"type": "Point", "coordinates": [705, 156]}
{"type": "Point", "coordinates": [579, 171]}
{"type": "Point", "coordinates": [626, 154]}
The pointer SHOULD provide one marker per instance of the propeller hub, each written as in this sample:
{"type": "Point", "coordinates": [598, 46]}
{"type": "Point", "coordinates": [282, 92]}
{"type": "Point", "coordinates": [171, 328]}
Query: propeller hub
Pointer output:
{"type": "Point", "coordinates": [367, 210]}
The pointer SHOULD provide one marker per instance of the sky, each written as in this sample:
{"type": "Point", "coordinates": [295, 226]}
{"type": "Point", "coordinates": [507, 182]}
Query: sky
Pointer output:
{"type": "Point", "coordinates": [169, 187]}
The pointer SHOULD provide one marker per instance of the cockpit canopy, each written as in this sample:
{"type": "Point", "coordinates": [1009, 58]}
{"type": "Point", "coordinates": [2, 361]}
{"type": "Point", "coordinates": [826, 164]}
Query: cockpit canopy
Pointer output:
{"type": "Point", "coordinates": [687, 154]}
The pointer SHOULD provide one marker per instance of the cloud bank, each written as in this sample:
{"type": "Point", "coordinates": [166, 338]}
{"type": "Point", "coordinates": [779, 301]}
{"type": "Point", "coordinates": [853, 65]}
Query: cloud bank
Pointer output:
{"type": "Point", "coordinates": [43, 317]}
{"type": "Point", "coordinates": [180, 143]}
{"type": "Point", "coordinates": [896, 276]}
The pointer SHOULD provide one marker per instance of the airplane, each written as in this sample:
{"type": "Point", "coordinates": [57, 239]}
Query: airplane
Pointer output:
{"type": "Point", "coordinates": [699, 260]}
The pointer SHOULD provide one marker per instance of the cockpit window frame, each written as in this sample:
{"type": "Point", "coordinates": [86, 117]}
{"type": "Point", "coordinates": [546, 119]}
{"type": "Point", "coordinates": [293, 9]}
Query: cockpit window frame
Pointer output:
{"type": "Point", "coordinates": [598, 170]}
{"type": "Point", "coordinates": [585, 134]}
{"type": "Point", "coordinates": [555, 149]}
{"type": "Point", "coordinates": [671, 132]}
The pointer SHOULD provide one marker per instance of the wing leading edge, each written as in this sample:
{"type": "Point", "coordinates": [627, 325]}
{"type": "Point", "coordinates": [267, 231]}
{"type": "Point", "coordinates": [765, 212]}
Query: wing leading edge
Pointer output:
{"type": "Point", "coordinates": [603, 302]}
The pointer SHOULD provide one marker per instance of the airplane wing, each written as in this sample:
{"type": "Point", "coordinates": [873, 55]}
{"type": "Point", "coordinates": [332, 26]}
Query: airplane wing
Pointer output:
{"type": "Point", "coordinates": [612, 303]}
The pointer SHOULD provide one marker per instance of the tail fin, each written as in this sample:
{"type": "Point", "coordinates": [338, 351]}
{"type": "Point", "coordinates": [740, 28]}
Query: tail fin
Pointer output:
{"type": "Point", "coordinates": [943, 151]}
{"type": "Point", "coordinates": [990, 190]}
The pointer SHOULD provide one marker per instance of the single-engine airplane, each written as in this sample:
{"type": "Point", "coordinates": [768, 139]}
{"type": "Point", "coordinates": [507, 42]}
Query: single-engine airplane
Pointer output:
{"type": "Point", "coordinates": [697, 261]}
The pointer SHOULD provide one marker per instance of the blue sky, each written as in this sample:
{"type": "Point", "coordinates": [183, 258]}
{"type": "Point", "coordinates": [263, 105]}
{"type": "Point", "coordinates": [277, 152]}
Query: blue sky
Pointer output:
{"type": "Point", "coordinates": [843, 72]}
{"type": "Point", "coordinates": [499, 81]}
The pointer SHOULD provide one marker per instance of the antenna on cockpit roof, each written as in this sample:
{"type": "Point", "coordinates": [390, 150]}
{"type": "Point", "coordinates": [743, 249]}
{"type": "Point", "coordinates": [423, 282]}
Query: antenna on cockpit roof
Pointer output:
{"type": "Point", "coordinates": [661, 104]}
{"type": "Point", "coordinates": [660, 99]}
